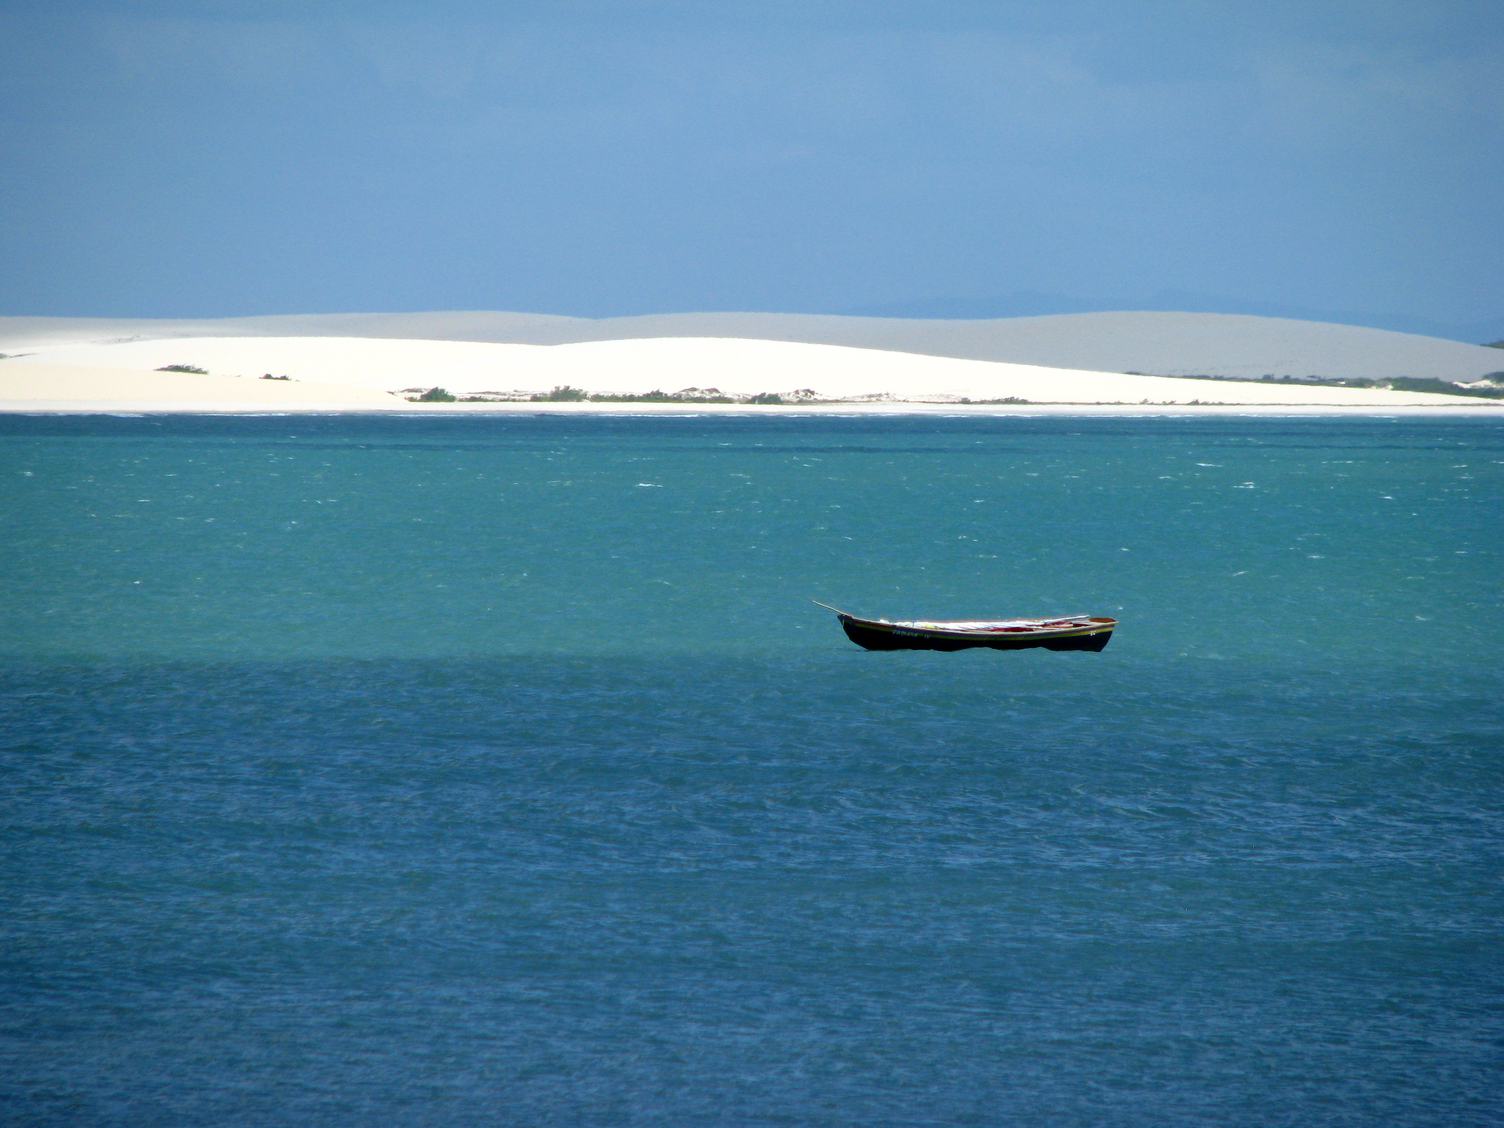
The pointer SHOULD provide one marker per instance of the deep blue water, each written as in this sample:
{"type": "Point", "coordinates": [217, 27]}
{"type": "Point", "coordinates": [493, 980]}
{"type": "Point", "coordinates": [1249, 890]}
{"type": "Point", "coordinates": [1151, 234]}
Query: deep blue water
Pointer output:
{"type": "Point", "coordinates": [464, 770]}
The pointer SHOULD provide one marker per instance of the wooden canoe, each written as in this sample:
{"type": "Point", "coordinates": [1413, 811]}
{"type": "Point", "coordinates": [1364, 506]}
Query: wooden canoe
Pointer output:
{"type": "Point", "coordinates": [1068, 632]}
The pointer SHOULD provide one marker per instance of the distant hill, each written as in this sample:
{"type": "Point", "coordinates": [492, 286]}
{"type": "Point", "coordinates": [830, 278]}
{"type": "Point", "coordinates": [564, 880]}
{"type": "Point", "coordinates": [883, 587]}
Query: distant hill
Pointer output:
{"type": "Point", "coordinates": [1159, 344]}
{"type": "Point", "coordinates": [1038, 304]}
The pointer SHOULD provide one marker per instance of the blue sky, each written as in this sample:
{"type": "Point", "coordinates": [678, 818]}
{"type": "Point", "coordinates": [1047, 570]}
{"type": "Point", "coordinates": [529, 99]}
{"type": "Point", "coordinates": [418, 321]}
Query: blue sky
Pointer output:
{"type": "Point", "coordinates": [1319, 158]}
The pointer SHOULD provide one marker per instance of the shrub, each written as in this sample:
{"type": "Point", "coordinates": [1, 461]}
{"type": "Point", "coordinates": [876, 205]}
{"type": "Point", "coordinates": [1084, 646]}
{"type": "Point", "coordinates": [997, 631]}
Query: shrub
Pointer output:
{"type": "Point", "coordinates": [1443, 387]}
{"type": "Point", "coordinates": [184, 368]}
{"type": "Point", "coordinates": [562, 394]}
{"type": "Point", "coordinates": [433, 395]}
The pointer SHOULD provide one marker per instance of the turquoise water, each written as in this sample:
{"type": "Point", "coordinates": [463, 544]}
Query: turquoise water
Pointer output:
{"type": "Point", "coordinates": [498, 770]}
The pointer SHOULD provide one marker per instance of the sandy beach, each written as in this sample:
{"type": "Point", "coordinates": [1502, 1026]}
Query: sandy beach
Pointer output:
{"type": "Point", "coordinates": [365, 374]}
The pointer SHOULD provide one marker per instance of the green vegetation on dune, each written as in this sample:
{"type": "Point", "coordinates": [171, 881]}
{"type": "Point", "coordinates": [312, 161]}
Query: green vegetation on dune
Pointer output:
{"type": "Point", "coordinates": [1393, 384]}
{"type": "Point", "coordinates": [568, 394]}
{"type": "Point", "coordinates": [562, 394]}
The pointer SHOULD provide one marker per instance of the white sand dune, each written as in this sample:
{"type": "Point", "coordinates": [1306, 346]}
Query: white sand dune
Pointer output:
{"type": "Point", "coordinates": [1234, 346]}
{"type": "Point", "coordinates": [365, 374]}
{"type": "Point", "coordinates": [63, 387]}
{"type": "Point", "coordinates": [1155, 343]}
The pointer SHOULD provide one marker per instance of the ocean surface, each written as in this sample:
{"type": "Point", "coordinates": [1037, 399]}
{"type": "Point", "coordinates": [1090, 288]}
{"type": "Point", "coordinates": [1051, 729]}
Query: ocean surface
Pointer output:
{"type": "Point", "coordinates": [498, 770]}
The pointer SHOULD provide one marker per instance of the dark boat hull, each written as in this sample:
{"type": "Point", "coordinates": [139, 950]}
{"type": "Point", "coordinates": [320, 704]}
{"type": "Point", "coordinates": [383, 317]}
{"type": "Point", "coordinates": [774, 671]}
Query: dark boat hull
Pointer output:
{"type": "Point", "coordinates": [885, 636]}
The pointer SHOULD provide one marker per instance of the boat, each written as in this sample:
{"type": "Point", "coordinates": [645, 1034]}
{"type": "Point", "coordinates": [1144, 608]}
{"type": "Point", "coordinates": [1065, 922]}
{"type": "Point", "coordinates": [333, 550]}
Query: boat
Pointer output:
{"type": "Point", "coordinates": [1067, 632]}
